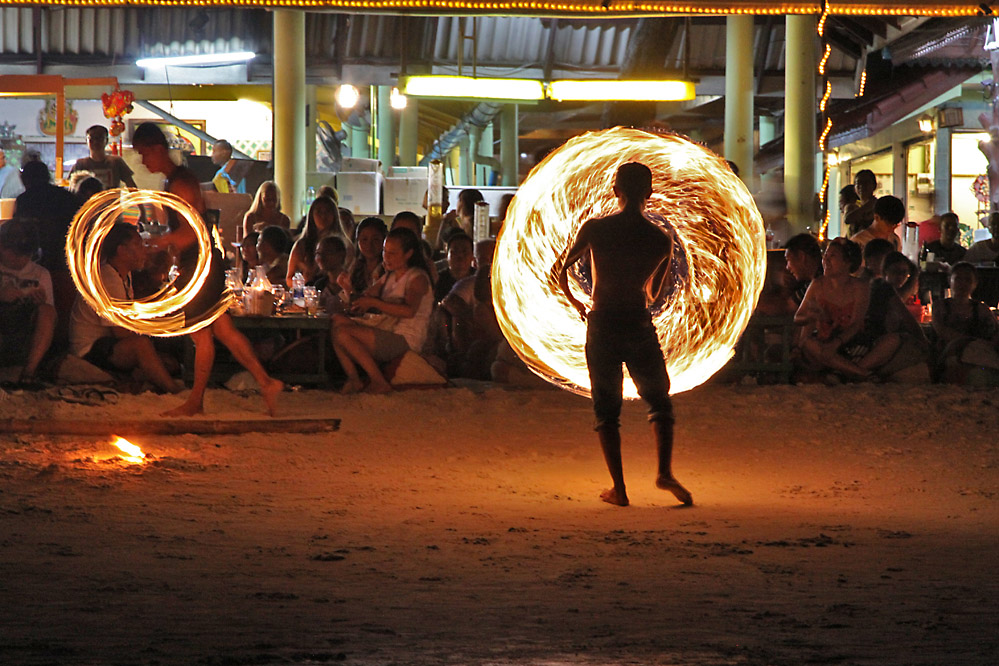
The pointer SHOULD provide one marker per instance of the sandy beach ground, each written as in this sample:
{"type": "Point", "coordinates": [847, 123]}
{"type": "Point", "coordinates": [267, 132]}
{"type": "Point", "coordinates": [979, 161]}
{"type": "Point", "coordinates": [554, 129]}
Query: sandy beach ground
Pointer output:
{"type": "Point", "coordinates": [842, 525]}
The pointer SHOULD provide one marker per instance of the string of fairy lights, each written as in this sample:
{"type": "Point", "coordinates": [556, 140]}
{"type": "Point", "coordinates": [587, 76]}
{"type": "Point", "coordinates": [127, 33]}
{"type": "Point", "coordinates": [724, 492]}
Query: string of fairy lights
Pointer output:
{"type": "Point", "coordinates": [826, 119]}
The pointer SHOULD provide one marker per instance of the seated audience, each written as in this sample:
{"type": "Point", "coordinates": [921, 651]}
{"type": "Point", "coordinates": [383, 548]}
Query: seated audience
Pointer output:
{"type": "Point", "coordinates": [153, 276]}
{"type": "Point", "coordinates": [460, 255]}
{"type": "Point", "coordinates": [983, 252]}
{"type": "Point", "coordinates": [348, 226]}
{"type": "Point", "coordinates": [272, 250]}
{"type": "Point", "coordinates": [95, 339]}
{"type": "Point", "coordinates": [861, 215]}
{"type": "Point", "coordinates": [833, 310]}
{"type": "Point", "coordinates": [874, 258]}
{"type": "Point", "coordinates": [249, 259]}
{"type": "Point", "coordinates": [331, 255]}
{"type": "Point", "coordinates": [889, 212]}
{"type": "Point", "coordinates": [366, 266]}
{"type": "Point", "coordinates": [27, 308]}
{"type": "Point", "coordinates": [402, 300]}
{"type": "Point", "coordinates": [804, 261]}
{"type": "Point", "coordinates": [463, 218]}
{"type": "Point", "coordinates": [265, 211]}
{"type": "Point", "coordinates": [903, 276]}
{"type": "Point", "coordinates": [967, 331]}
{"type": "Point", "coordinates": [322, 220]}
{"type": "Point", "coordinates": [948, 248]}
{"type": "Point", "coordinates": [410, 220]}
{"type": "Point", "coordinates": [474, 331]}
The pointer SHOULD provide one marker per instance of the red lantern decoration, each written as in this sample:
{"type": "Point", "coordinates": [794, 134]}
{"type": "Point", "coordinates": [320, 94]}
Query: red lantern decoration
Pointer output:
{"type": "Point", "coordinates": [116, 105]}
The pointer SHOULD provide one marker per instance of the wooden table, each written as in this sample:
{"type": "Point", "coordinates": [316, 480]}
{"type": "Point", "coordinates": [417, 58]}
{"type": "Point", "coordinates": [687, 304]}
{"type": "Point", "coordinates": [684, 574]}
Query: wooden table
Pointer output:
{"type": "Point", "coordinates": [301, 324]}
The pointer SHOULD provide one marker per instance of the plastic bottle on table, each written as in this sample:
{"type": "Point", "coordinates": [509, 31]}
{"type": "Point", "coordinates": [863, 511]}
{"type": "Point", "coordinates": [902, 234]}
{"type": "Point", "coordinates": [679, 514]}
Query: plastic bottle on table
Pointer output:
{"type": "Point", "coordinates": [298, 289]}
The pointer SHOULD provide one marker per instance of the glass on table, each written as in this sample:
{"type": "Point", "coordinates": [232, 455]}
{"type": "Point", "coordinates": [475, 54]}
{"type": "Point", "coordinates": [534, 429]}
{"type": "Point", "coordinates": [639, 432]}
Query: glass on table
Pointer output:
{"type": "Point", "coordinates": [311, 301]}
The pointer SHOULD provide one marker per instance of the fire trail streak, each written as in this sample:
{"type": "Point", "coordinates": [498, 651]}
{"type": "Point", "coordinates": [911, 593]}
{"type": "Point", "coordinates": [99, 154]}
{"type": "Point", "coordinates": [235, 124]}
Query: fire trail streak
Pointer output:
{"type": "Point", "coordinates": [719, 255]}
{"type": "Point", "coordinates": [159, 314]}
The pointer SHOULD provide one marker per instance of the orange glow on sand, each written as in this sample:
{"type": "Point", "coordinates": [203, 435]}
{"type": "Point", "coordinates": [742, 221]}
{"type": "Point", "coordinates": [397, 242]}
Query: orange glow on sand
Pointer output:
{"type": "Point", "coordinates": [160, 314]}
{"type": "Point", "coordinates": [129, 452]}
{"type": "Point", "coordinates": [719, 259]}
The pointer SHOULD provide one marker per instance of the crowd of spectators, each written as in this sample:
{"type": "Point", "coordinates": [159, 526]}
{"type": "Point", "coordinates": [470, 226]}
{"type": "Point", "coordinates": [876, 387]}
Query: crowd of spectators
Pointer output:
{"type": "Point", "coordinates": [860, 313]}
{"type": "Point", "coordinates": [857, 306]}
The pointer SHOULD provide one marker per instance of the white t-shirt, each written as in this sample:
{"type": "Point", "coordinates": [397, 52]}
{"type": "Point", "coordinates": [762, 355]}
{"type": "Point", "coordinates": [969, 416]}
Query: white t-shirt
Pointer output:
{"type": "Point", "coordinates": [10, 182]}
{"type": "Point", "coordinates": [86, 326]}
{"type": "Point", "coordinates": [980, 253]}
{"type": "Point", "coordinates": [32, 275]}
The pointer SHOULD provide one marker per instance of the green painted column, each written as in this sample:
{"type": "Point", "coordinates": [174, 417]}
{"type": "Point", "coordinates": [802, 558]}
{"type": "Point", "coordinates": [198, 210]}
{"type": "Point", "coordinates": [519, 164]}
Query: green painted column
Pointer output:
{"type": "Point", "coordinates": [465, 172]}
{"type": "Point", "coordinates": [386, 129]}
{"type": "Point", "coordinates": [509, 145]}
{"type": "Point", "coordinates": [739, 94]}
{"type": "Point", "coordinates": [409, 132]}
{"type": "Point", "coordinates": [799, 122]}
{"type": "Point", "coordinates": [289, 108]}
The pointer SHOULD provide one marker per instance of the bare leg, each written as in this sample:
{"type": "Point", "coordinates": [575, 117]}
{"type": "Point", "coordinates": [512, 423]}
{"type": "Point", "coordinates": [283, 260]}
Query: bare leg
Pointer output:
{"type": "Point", "coordinates": [357, 343]}
{"type": "Point", "coordinates": [826, 356]}
{"type": "Point", "coordinates": [665, 480]}
{"type": "Point", "coordinates": [136, 350]}
{"type": "Point", "coordinates": [204, 359]}
{"type": "Point", "coordinates": [610, 442]}
{"type": "Point", "coordinates": [882, 351]}
{"type": "Point", "coordinates": [242, 351]}
{"type": "Point", "coordinates": [41, 339]}
{"type": "Point", "coordinates": [353, 383]}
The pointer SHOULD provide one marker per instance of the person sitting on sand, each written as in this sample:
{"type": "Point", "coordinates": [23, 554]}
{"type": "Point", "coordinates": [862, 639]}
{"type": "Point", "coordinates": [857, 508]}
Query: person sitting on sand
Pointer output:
{"type": "Point", "coordinates": [27, 306]}
{"type": "Point", "coordinates": [833, 309]}
{"type": "Point", "coordinates": [874, 254]}
{"type": "Point", "coordinates": [966, 329]}
{"type": "Point", "coordinates": [630, 258]}
{"type": "Point", "coordinates": [404, 294]}
{"type": "Point", "coordinates": [95, 339]}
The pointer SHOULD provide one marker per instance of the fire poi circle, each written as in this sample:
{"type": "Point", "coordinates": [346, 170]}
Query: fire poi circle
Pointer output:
{"type": "Point", "coordinates": [159, 314]}
{"type": "Point", "coordinates": [719, 255]}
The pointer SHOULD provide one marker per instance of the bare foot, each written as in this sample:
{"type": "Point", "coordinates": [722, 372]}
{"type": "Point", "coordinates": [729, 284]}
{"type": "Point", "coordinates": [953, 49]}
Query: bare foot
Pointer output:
{"type": "Point", "coordinates": [612, 496]}
{"type": "Point", "coordinates": [270, 391]}
{"type": "Point", "coordinates": [672, 485]}
{"type": "Point", "coordinates": [351, 386]}
{"type": "Point", "coordinates": [379, 387]}
{"type": "Point", "coordinates": [189, 408]}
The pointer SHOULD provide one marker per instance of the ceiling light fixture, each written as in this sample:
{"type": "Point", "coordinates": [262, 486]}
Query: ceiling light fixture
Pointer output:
{"type": "Point", "coordinates": [202, 60]}
{"type": "Point", "coordinates": [633, 91]}
{"type": "Point", "coordinates": [397, 100]}
{"type": "Point", "coordinates": [467, 87]}
{"type": "Point", "coordinates": [347, 96]}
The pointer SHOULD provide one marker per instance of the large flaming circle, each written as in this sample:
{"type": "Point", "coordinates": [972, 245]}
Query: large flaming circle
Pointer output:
{"type": "Point", "coordinates": [159, 314]}
{"type": "Point", "coordinates": [719, 255]}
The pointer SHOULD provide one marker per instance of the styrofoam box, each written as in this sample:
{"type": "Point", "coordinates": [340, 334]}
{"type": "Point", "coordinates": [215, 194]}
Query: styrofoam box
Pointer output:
{"type": "Point", "coordinates": [404, 194]}
{"type": "Point", "coordinates": [410, 172]}
{"type": "Point", "coordinates": [360, 192]}
{"type": "Point", "coordinates": [360, 164]}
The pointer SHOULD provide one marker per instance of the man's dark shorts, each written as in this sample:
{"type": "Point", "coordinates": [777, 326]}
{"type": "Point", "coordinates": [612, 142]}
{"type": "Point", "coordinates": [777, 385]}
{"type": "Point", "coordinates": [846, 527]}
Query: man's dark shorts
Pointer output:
{"type": "Point", "coordinates": [101, 351]}
{"type": "Point", "coordinates": [614, 337]}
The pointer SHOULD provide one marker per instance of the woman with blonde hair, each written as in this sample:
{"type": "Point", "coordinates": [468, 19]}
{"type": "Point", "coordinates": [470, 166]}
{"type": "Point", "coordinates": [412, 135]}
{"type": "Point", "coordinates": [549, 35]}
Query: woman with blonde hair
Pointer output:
{"type": "Point", "coordinates": [265, 211]}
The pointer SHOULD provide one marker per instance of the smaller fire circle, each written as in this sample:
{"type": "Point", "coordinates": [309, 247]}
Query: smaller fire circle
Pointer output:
{"type": "Point", "coordinates": [160, 314]}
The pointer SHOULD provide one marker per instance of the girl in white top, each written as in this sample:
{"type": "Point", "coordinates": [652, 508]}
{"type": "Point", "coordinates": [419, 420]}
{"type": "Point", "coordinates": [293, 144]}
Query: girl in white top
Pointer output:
{"type": "Point", "coordinates": [403, 294]}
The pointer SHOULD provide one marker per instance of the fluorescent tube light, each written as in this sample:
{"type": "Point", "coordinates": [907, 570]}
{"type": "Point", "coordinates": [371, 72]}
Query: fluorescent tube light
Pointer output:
{"type": "Point", "coordinates": [635, 91]}
{"type": "Point", "coordinates": [204, 59]}
{"type": "Point", "coordinates": [474, 88]}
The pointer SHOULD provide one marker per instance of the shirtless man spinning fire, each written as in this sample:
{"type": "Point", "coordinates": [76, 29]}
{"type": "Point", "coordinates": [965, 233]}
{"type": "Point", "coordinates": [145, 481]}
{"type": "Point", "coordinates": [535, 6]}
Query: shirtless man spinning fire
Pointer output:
{"type": "Point", "coordinates": [630, 259]}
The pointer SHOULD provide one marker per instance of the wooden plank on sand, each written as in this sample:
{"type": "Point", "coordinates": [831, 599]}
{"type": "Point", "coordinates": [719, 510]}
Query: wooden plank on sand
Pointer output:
{"type": "Point", "coordinates": [171, 427]}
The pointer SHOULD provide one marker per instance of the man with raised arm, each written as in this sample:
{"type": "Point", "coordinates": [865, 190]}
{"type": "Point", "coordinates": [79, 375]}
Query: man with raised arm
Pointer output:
{"type": "Point", "coordinates": [629, 259]}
